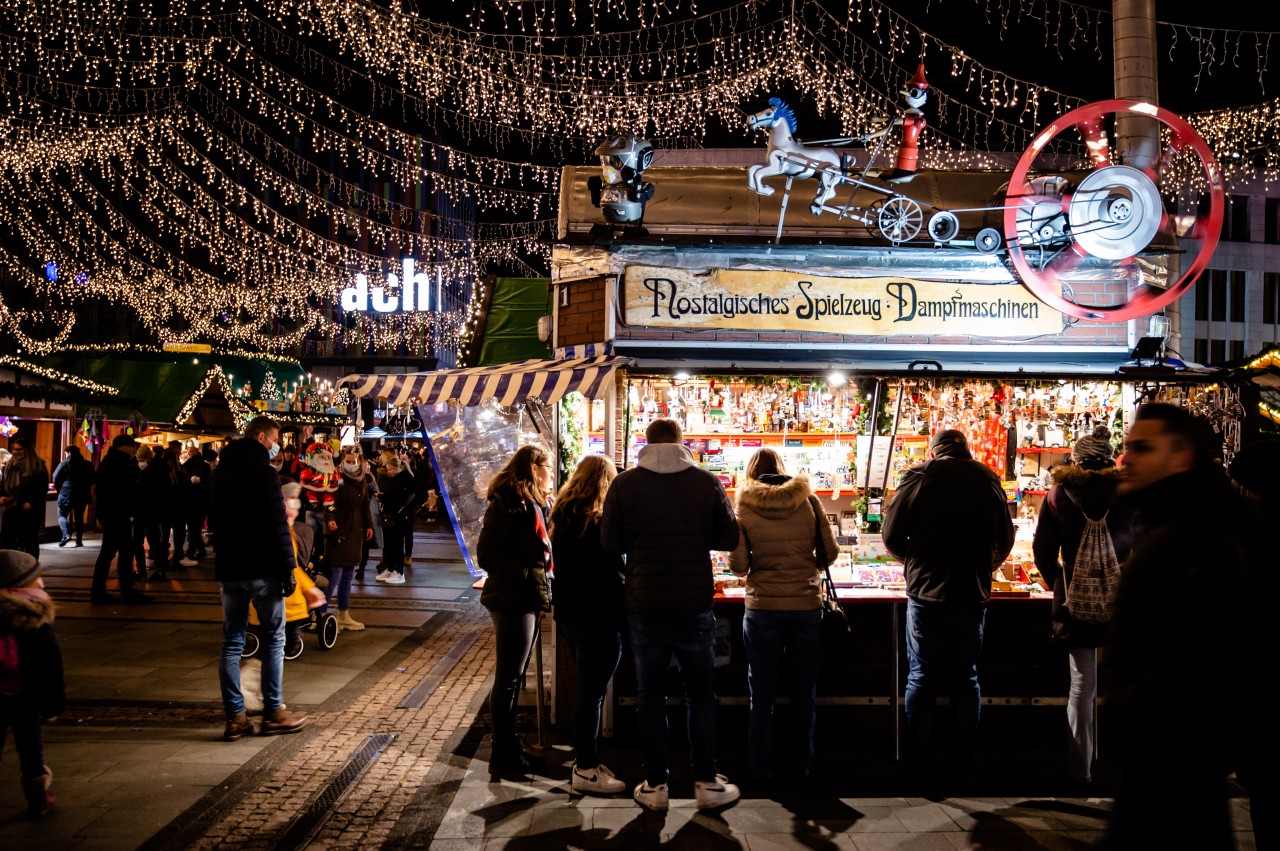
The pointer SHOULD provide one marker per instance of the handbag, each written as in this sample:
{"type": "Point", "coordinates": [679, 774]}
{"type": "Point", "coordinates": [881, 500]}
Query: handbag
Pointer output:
{"type": "Point", "coordinates": [835, 622]}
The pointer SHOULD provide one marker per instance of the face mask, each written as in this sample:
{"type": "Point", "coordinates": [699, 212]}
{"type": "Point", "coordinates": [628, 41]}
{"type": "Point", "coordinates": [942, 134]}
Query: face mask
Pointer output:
{"type": "Point", "coordinates": [351, 469]}
{"type": "Point", "coordinates": [274, 450]}
{"type": "Point", "coordinates": [295, 504]}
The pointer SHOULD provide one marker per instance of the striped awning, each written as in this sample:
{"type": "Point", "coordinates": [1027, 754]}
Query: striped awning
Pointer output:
{"type": "Point", "coordinates": [507, 383]}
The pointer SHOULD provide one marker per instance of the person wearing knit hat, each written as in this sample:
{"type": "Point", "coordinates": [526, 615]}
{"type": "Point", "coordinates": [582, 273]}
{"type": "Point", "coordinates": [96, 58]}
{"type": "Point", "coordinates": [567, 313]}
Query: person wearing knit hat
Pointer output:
{"type": "Point", "coordinates": [1084, 490]}
{"type": "Point", "coordinates": [31, 681]}
{"type": "Point", "coordinates": [1094, 451]}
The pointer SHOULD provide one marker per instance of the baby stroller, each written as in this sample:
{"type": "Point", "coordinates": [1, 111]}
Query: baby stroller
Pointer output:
{"type": "Point", "coordinates": [305, 610]}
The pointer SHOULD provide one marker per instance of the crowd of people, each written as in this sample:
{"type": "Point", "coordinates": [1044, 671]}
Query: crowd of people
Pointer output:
{"type": "Point", "coordinates": [172, 505]}
{"type": "Point", "coordinates": [628, 554]}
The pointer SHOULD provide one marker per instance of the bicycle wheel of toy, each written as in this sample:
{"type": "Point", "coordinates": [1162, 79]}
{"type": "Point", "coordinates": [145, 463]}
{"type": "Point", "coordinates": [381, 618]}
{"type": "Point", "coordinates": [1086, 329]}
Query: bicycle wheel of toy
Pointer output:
{"type": "Point", "coordinates": [900, 219]}
{"type": "Point", "coordinates": [328, 631]}
{"type": "Point", "coordinates": [1115, 212]}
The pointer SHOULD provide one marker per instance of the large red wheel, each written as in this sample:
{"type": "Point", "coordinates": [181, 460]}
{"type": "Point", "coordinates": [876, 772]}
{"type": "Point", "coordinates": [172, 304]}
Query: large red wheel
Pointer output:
{"type": "Point", "coordinates": [1112, 215]}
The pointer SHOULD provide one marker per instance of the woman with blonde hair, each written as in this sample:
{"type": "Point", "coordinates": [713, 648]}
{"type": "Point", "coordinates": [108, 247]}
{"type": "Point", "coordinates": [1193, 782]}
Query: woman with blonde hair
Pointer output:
{"type": "Point", "coordinates": [588, 610]}
{"type": "Point", "coordinates": [515, 551]}
{"type": "Point", "coordinates": [782, 528]}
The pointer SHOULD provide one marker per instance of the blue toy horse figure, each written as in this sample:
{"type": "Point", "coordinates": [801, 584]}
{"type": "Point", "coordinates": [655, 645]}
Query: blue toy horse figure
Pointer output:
{"type": "Point", "coordinates": [789, 158]}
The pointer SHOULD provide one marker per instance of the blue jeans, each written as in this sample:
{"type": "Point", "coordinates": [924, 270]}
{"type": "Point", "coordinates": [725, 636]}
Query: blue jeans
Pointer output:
{"type": "Point", "coordinates": [341, 580]}
{"type": "Point", "coordinates": [596, 653]}
{"type": "Point", "coordinates": [770, 636]}
{"type": "Point", "coordinates": [692, 640]}
{"type": "Point", "coordinates": [943, 644]}
{"type": "Point", "coordinates": [265, 595]}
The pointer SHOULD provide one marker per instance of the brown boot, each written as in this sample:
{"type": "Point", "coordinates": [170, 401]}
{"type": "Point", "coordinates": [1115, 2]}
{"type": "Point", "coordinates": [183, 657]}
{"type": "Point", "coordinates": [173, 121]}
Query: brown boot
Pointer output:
{"type": "Point", "coordinates": [280, 720]}
{"type": "Point", "coordinates": [39, 798]}
{"type": "Point", "coordinates": [237, 726]}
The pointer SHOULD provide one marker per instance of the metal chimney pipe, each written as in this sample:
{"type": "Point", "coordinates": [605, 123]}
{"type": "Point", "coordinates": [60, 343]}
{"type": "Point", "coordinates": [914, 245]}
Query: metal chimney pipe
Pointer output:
{"type": "Point", "coordinates": [1133, 36]}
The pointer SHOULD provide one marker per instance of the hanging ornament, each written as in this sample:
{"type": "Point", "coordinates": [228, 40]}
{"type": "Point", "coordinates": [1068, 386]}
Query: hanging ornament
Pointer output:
{"type": "Point", "coordinates": [7, 428]}
{"type": "Point", "coordinates": [137, 424]}
{"type": "Point", "coordinates": [93, 429]}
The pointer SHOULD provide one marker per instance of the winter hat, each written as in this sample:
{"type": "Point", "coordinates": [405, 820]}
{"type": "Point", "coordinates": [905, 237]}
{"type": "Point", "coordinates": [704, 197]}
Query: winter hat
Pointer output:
{"type": "Point", "coordinates": [950, 443]}
{"type": "Point", "coordinates": [1094, 450]}
{"type": "Point", "coordinates": [292, 490]}
{"type": "Point", "coordinates": [1257, 468]}
{"type": "Point", "coordinates": [17, 568]}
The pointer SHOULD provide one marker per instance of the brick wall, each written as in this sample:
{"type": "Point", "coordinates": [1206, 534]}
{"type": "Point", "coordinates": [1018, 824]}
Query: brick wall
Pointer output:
{"type": "Point", "coordinates": [581, 319]}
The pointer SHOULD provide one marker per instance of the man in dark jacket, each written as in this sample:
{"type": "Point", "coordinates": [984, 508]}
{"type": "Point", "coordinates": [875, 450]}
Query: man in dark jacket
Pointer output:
{"type": "Point", "coordinates": [116, 492]}
{"type": "Point", "coordinates": [73, 480]}
{"type": "Point", "coordinates": [1178, 651]}
{"type": "Point", "coordinates": [665, 516]}
{"type": "Point", "coordinates": [949, 525]}
{"type": "Point", "coordinates": [253, 564]}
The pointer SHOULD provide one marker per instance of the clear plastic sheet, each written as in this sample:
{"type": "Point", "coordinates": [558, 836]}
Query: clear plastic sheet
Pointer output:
{"type": "Point", "coordinates": [470, 446]}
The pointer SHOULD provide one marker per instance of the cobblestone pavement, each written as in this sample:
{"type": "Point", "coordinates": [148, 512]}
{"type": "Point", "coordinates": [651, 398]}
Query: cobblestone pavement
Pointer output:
{"type": "Point", "coordinates": [138, 763]}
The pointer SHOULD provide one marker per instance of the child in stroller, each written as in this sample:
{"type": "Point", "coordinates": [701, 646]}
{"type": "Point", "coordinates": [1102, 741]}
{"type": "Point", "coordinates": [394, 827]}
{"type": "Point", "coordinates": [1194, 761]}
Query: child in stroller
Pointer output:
{"type": "Point", "coordinates": [307, 607]}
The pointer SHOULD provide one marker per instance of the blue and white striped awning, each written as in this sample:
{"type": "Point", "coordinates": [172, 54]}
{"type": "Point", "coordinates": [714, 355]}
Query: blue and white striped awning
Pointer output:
{"type": "Point", "coordinates": [507, 383]}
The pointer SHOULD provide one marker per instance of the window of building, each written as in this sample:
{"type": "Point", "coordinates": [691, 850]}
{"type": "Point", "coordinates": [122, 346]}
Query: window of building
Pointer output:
{"type": "Point", "coordinates": [1270, 295]}
{"type": "Point", "coordinates": [1237, 349]}
{"type": "Point", "coordinates": [1217, 351]}
{"type": "Point", "coordinates": [1235, 219]}
{"type": "Point", "coordinates": [1272, 234]}
{"type": "Point", "coordinates": [1218, 294]}
{"type": "Point", "coordinates": [1202, 350]}
{"type": "Point", "coordinates": [1237, 296]}
{"type": "Point", "coordinates": [1202, 297]}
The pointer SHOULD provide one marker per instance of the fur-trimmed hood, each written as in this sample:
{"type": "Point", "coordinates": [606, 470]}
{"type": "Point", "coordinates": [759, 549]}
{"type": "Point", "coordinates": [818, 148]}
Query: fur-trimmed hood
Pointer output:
{"type": "Point", "coordinates": [1070, 475]}
{"type": "Point", "coordinates": [24, 609]}
{"type": "Point", "coordinates": [774, 499]}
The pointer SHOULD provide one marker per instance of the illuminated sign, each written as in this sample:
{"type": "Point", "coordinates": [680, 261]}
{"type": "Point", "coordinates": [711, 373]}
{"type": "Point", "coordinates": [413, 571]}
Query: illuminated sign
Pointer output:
{"type": "Point", "coordinates": [797, 301]}
{"type": "Point", "coordinates": [410, 291]}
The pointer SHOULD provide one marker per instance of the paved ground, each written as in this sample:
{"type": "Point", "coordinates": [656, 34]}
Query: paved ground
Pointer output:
{"type": "Point", "coordinates": [138, 762]}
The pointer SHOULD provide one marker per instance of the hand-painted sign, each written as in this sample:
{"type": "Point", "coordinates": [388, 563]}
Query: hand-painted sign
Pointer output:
{"type": "Point", "coordinates": [795, 301]}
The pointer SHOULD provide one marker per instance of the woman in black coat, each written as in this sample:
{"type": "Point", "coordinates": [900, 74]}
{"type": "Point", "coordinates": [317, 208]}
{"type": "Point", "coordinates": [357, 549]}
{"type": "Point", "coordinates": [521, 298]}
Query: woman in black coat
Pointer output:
{"type": "Point", "coordinates": [26, 485]}
{"type": "Point", "coordinates": [396, 487]}
{"type": "Point", "coordinates": [588, 610]}
{"type": "Point", "coordinates": [515, 551]}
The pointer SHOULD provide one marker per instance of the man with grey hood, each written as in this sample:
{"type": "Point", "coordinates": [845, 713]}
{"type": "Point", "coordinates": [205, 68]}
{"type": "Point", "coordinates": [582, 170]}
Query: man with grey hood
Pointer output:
{"type": "Point", "coordinates": [665, 516]}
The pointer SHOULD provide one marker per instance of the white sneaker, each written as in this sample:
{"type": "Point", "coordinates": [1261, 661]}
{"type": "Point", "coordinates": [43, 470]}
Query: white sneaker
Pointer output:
{"type": "Point", "coordinates": [596, 781]}
{"type": "Point", "coordinates": [189, 562]}
{"type": "Point", "coordinates": [385, 575]}
{"type": "Point", "coordinates": [395, 579]}
{"type": "Point", "coordinates": [651, 797]}
{"type": "Point", "coordinates": [715, 794]}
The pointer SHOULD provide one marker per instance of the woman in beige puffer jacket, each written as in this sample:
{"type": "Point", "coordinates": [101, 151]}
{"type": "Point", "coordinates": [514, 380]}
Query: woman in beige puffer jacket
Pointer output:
{"type": "Point", "coordinates": [779, 523]}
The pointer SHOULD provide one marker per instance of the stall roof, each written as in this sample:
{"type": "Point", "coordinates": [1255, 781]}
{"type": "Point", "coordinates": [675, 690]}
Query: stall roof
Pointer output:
{"type": "Point", "coordinates": [547, 380]}
{"type": "Point", "coordinates": [888, 359]}
{"type": "Point", "coordinates": [160, 384]}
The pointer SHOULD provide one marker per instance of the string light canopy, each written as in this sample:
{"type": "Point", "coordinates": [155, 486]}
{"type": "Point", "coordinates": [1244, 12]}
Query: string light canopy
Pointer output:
{"type": "Point", "coordinates": [224, 169]}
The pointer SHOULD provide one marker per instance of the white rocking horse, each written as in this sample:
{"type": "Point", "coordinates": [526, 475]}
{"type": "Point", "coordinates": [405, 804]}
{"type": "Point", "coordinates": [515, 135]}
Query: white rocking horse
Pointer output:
{"type": "Point", "coordinates": [789, 158]}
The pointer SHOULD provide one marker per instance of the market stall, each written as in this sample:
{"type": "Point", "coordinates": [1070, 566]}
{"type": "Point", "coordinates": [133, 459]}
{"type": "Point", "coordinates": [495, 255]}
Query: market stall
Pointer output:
{"type": "Point", "coordinates": [846, 350]}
